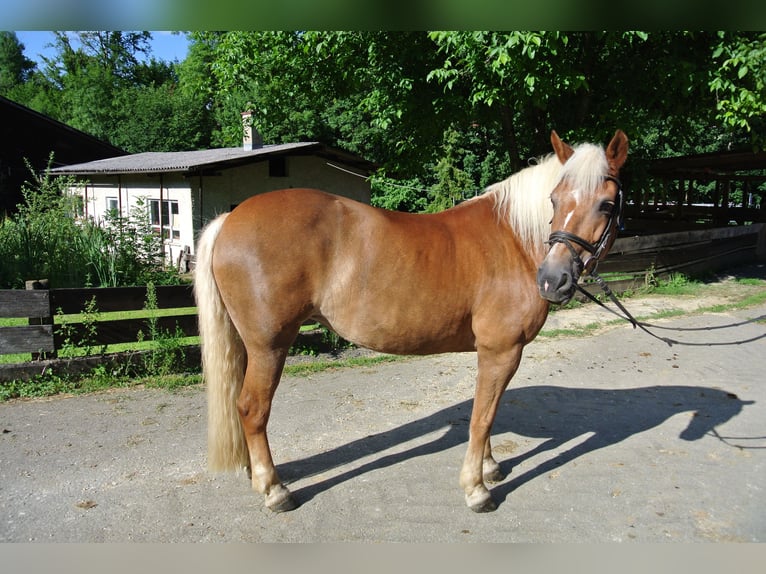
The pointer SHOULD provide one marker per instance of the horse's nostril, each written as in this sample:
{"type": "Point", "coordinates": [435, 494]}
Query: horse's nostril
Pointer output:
{"type": "Point", "coordinates": [565, 281]}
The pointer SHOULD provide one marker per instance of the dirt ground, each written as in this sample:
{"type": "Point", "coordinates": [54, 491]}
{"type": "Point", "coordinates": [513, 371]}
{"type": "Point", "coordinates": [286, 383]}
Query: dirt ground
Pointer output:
{"type": "Point", "coordinates": [612, 436]}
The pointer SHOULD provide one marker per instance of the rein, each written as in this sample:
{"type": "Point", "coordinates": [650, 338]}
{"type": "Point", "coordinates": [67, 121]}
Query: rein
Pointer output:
{"type": "Point", "coordinates": [626, 314]}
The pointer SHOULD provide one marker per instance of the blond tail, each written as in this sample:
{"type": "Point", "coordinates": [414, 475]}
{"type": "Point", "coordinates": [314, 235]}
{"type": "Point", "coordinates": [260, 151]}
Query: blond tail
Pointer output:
{"type": "Point", "coordinates": [223, 361]}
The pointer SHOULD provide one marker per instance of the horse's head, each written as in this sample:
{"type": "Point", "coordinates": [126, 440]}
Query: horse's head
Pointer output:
{"type": "Point", "coordinates": [587, 208]}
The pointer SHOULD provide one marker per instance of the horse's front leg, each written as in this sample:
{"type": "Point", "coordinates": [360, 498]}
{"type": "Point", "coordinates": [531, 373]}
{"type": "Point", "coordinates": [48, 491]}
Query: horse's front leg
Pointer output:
{"type": "Point", "coordinates": [495, 371]}
{"type": "Point", "coordinates": [489, 466]}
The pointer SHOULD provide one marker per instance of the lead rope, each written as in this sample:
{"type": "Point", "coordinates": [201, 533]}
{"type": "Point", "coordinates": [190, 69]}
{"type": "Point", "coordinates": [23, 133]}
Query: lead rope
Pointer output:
{"type": "Point", "coordinates": [626, 314]}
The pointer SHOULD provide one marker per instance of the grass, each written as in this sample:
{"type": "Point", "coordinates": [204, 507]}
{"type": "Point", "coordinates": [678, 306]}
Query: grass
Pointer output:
{"type": "Point", "coordinates": [101, 380]}
{"type": "Point", "coordinates": [305, 369]}
{"type": "Point", "coordinates": [101, 316]}
{"type": "Point", "coordinates": [676, 285]}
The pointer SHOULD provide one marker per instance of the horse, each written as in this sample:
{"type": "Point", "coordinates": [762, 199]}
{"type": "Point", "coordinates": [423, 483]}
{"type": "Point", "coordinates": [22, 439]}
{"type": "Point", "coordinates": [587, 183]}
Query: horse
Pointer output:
{"type": "Point", "coordinates": [477, 277]}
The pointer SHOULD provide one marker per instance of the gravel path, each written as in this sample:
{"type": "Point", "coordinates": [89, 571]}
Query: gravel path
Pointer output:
{"type": "Point", "coordinates": [613, 436]}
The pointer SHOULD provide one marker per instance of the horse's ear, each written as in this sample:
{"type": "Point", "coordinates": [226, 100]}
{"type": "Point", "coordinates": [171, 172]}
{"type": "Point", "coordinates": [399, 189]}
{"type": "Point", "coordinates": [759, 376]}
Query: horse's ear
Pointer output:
{"type": "Point", "coordinates": [617, 150]}
{"type": "Point", "coordinates": [563, 151]}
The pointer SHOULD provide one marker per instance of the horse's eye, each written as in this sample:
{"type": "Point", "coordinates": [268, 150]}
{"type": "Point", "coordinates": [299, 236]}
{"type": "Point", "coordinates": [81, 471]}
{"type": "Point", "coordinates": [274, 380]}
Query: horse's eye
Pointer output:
{"type": "Point", "coordinates": [607, 207]}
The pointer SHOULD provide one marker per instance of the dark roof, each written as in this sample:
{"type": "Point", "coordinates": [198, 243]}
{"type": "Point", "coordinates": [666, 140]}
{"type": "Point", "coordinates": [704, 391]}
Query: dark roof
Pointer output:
{"type": "Point", "coordinates": [709, 164]}
{"type": "Point", "coordinates": [209, 160]}
{"type": "Point", "coordinates": [31, 134]}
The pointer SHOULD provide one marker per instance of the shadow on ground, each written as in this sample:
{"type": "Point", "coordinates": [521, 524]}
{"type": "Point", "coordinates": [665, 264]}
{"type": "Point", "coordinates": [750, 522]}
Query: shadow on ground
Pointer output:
{"type": "Point", "coordinates": [556, 414]}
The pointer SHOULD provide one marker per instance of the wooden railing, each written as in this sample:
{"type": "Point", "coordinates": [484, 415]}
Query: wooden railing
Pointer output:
{"type": "Point", "coordinates": [691, 253]}
{"type": "Point", "coordinates": [40, 306]}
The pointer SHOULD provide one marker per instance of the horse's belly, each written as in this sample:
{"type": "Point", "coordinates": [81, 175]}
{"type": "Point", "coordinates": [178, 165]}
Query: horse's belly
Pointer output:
{"type": "Point", "coordinates": [417, 332]}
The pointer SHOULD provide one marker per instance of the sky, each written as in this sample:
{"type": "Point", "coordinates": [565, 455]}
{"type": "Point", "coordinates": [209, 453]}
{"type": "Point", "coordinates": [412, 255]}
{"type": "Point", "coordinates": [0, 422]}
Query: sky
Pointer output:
{"type": "Point", "coordinates": [165, 46]}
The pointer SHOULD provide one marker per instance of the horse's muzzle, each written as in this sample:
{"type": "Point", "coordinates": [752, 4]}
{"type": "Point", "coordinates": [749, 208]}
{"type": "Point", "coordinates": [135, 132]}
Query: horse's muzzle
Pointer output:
{"type": "Point", "coordinates": [556, 282]}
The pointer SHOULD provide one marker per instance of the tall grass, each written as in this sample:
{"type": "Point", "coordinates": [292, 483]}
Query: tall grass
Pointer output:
{"type": "Point", "coordinates": [47, 240]}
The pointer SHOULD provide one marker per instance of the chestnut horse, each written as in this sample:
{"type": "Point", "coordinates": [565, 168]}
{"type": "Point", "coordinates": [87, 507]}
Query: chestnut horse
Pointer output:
{"type": "Point", "coordinates": [477, 277]}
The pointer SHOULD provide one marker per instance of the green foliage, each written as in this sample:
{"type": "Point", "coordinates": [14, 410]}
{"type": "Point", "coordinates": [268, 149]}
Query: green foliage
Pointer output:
{"type": "Point", "coordinates": [396, 98]}
{"type": "Point", "coordinates": [101, 82]}
{"type": "Point", "coordinates": [86, 343]}
{"type": "Point", "coordinates": [15, 67]}
{"type": "Point", "coordinates": [167, 354]}
{"type": "Point", "coordinates": [675, 284]}
{"type": "Point", "coordinates": [398, 194]}
{"type": "Point", "coordinates": [452, 182]}
{"type": "Point", "coordinates": [160, 118]}
{"type": "Point", "coordinates": [39, 241]}
{"type": "Point", "coordinates": [363, 91]}
{"type": "Point", "coordinates": [739, 83]}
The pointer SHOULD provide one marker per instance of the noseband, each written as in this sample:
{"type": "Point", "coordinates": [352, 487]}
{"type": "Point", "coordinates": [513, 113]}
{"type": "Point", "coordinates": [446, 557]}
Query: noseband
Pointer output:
{"type": "Point", "coordinates": [597, 249]}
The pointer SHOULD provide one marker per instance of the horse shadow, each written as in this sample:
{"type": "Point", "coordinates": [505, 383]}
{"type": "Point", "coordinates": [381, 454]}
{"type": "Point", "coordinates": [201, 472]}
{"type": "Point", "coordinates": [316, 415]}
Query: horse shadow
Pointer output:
{"type": "Point", "coordinates": [553, 413]}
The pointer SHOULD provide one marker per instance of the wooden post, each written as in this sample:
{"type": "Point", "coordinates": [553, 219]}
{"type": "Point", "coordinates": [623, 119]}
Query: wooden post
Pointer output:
{"type": "Point", "coordinates": [760, 250]}
{"type": "Point", "coordinates": [34, 285]}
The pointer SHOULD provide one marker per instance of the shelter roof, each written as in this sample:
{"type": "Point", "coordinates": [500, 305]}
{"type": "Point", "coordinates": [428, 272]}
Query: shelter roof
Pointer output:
{"type": "Point", "coordinates": [709, 164]}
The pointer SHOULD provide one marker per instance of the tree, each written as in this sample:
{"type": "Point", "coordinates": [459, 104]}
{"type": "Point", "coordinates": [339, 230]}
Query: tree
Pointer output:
{"type": "Point", "coordinates": [160, 118]}
{"type": "Point", "coordinates": [15, 67]}
{"type": "Point", "coordinates": [364, 91]}
{"type": "Point", "coordinates": [739, 83]}
{"type": "Point", "coordinates": [89, 71]}
{"type": "Point", "coordinates": [585, 84]}
{"type": "Point", "coordinates": [104, 84]}
{"type": "Point", "coordinates": [436, 111]}
{"type": "Point", "coordinates": [452, 180]}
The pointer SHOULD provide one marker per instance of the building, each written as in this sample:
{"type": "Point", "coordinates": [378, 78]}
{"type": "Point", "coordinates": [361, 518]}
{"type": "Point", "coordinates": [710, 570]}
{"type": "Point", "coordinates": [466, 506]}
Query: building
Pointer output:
{"type": "Point", "coordinates": [27, 136]}
{"type": "Point", "coordinates": [185, 190]}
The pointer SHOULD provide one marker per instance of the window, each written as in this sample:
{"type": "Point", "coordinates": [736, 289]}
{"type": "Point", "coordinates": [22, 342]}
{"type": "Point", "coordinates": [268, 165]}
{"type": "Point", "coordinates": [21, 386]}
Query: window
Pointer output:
{"type": "Point", "coordinates": [112, 207]}
{"type": "Point", "coordinates": [278, 167]}
{"type": "Point", "coordinates": [168, 218]}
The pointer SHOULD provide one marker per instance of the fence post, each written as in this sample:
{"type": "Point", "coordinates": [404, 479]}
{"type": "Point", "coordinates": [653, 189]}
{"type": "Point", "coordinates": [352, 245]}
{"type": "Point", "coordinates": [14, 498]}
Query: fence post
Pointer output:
{"type": "Point", "coordinates": [184, 260]}
{"type": "Point", "coordinates": [36, 284]}
{"type": "Point", "coordinates": [760, 249]}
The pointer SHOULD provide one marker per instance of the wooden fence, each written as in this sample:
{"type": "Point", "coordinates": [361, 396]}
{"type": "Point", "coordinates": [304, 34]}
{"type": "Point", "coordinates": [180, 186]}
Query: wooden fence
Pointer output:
{"type": "Point", "coordinates": [40, 306]}
{"type": "Point", "coordinates": [691, 253]}
{"type": "Point", "coordinates": [627, 266]}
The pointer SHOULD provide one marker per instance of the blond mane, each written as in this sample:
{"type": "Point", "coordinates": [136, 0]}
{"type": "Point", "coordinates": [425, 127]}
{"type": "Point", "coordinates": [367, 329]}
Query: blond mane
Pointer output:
{"type": "Point", "coordinates": [524, 199]}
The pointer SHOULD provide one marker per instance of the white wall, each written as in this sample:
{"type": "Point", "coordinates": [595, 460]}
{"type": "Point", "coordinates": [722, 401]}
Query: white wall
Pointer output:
{"type": "Point", "coordinates": [234, 186]}
{"type": "Point", "coordinates": [201, 198]}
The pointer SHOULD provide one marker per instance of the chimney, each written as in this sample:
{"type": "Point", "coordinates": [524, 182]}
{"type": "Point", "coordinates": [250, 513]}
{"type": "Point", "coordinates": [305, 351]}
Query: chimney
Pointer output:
{"type": "Point", "coordinates": [250, 136]}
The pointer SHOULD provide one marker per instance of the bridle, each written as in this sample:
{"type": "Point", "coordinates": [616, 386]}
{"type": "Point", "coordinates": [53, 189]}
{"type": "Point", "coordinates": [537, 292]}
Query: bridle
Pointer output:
{"type": "Point", "coordinates": [596, 250]}
{"type": "Point", "coordinates": [589, 266]}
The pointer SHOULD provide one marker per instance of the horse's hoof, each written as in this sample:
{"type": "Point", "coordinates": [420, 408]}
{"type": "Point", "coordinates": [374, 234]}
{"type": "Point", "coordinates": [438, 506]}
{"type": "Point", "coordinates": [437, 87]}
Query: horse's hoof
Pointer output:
{"type": "Point", "coordinates": [280, 500]}
{"type": "Point", "coordinates": [285, 505]}
{"type": "Point", "coordinates": [480, 501]}
{"type": "Point", "coordinates": [486, 506]}
{"type": "Point", "coordinates": [495, 475]}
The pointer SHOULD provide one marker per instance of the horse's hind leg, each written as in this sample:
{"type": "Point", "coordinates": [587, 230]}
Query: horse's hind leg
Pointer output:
{"type": "Point", "coordinates": [264, 369]}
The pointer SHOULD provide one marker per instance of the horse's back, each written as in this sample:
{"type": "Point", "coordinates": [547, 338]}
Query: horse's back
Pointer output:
{"type": "Point", "coordinates": [272, 226]}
